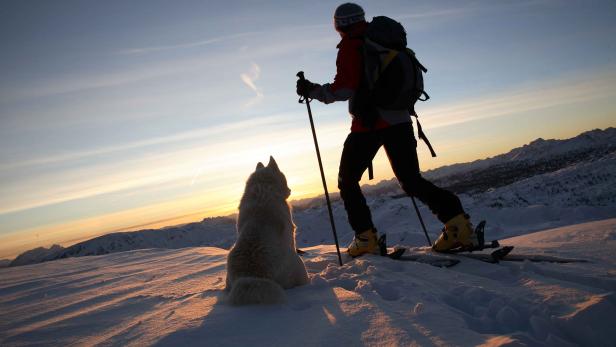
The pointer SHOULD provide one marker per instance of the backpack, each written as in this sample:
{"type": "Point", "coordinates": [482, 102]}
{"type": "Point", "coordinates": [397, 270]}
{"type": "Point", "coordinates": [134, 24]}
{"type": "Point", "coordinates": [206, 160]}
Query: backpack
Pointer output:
{"type": "Point", "coordinates": [393, 77]}
{"type": "Point", "coordinates": [393, 74]}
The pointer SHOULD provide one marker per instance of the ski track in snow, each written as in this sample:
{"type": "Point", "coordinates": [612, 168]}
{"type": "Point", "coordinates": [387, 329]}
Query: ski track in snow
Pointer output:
{"type": "Point", "coordinates": [175, 297]}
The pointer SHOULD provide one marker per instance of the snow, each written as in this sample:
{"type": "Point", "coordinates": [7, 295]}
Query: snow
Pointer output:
{"type": "Point", "coordinates": [174, 297]}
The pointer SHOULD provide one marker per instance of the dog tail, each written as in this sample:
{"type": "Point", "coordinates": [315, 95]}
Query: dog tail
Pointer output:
{"type": "Point", "coordinates": [254, 290]}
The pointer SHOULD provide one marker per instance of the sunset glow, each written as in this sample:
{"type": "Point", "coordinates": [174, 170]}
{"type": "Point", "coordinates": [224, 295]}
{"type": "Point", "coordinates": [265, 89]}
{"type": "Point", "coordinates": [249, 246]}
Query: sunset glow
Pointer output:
{"type": "Point", "coordinates": [116, 119]}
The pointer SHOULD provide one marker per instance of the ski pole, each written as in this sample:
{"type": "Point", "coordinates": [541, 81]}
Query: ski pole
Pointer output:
{"type": "Point", "coordinates": [421, 221]}
{"type": "Point", "coordinates": [303, 98]}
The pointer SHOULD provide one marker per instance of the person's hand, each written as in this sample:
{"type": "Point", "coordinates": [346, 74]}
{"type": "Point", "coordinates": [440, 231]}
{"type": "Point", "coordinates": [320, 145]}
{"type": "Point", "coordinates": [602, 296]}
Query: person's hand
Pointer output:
{"type": "Point", "coordinates": [304, 87]}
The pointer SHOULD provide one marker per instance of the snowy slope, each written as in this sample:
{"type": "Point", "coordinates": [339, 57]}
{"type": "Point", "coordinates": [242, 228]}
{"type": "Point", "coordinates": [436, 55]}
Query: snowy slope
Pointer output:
{"type": "Point", "coordinates": [175, 298]}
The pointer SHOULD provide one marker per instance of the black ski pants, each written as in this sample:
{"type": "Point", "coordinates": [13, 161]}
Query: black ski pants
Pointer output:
{"type": "Point", "coordinates": [401, 148]}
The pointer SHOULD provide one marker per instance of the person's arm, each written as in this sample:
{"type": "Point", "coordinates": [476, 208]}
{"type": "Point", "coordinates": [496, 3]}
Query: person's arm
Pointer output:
{"type": "Point", "coordinates": [348, 74]}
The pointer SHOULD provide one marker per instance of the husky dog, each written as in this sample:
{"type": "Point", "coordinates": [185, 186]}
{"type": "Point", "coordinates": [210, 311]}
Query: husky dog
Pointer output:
{"type": "Point", "coordinates": [264, 260]}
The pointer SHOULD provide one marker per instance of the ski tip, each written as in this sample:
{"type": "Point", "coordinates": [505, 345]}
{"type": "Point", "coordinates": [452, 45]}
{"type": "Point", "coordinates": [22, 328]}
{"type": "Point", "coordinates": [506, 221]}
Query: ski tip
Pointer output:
{"type": "Point", "coordinates": [397, 253]}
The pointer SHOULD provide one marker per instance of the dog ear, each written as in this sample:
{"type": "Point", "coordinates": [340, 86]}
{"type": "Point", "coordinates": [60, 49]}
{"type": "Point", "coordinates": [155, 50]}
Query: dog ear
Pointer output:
{"type": "Point", "coordinates": [259, 166]}
{"type": "Point", "coordinates": [272, 163]}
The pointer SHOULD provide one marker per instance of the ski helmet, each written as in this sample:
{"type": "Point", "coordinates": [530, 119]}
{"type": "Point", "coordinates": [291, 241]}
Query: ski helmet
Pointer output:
{"type": "Point", "coordinates": [348, 14]}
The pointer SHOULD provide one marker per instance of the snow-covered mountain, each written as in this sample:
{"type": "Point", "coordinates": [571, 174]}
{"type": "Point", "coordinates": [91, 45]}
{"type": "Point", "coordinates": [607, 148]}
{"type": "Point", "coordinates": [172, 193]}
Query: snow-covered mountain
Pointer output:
{"type": "Point", "coordinates": [547, 183]}
{"type": "Point", "coordinates": [537, 157]}
{"type": "Point", "coordinates": [215, 232]}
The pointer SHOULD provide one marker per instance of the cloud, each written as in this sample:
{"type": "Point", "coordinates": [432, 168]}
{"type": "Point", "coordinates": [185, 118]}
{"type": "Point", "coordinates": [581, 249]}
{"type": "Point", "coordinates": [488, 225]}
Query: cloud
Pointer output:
{"type": "Point", "coordinates": [451, 12]}
{"type": "Point", "coordinates": [184, 136]}
{"type": "Point", "coordinates": [175, 167]}
{"type": "Point", "coordinates": [249, 79]}
{"type": "Point", "coordinates": [532, 97]}
{"type": "Point", "coordinates": [145, 50]}
{"type": "Point", "coordinates": [277, 45]}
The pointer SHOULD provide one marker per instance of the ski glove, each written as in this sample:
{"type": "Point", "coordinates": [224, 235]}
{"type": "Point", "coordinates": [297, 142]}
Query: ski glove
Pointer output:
{"type": "Point", "coordinates": [304, 87]}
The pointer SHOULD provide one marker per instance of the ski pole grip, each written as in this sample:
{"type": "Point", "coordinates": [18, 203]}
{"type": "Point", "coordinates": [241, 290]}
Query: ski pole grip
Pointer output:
{"type": "Point", "coordinates": [301, 77]}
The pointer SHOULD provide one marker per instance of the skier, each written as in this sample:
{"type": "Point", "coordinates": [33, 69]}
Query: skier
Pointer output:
{"type": "Point", "coordinates": [391, 129]}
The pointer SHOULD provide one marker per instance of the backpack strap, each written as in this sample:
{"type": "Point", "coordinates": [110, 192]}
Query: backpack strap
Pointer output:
{"type": "Point", "coordinates": [413, 57]}
{"type": "Point", "coordinates": [389, 56]}
{"type": "Point", "coordinates": [423, 137]}
{"type": "Point", "coordinates": [425, 96]}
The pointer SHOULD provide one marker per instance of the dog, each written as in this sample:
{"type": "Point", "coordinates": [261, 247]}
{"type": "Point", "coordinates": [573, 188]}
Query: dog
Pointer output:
{"type": "Point", "coordinates": [263, 262]}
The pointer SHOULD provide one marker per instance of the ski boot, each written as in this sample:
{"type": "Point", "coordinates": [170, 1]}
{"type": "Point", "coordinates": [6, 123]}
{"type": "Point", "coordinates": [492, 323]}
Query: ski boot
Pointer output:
{"type": "Point", "coordinates": [457, 233]}
{"type": "Point", "coordinates": [366, 242]}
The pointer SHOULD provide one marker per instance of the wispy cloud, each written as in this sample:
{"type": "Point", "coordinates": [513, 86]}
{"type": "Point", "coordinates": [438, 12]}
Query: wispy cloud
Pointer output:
{"type": "Point", "coordinates": [105, 79]}
{"type": "Point", "coordinates": [162, 140]}
{"type": "Point", "coordinates": [249, 78]}
{"type": "Point", "coordinates": [474, 8]}
{"type": "Point", "coordinates": [142, 73]}
{"type": "Point", "coordinates": [451, 12]}
{"type": "Point", "coordinates": [175, 167]}
{"type": "Point", "coordinates": [533, 97]}
{"type": "Point", "coordinates": [185, 45]}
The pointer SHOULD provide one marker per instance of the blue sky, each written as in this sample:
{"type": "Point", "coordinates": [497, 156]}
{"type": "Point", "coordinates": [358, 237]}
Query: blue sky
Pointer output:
{"type": "Point", "coordinates": [116, 114]}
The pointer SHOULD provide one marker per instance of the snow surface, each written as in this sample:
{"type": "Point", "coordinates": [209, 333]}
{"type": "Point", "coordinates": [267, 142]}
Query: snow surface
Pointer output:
{"type": "Point", "coordinates": [174, 297]}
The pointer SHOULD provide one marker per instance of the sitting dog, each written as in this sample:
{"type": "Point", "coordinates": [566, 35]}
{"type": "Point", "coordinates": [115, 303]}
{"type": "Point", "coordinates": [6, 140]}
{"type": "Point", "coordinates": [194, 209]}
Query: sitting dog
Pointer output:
{"type": "Point", "coordinates": [264, 260]}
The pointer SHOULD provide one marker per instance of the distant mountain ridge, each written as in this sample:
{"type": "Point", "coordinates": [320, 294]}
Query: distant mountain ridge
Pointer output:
{"type": "Point", "coordinates": [217, 232]}
{"type": "Point", "coordinates": [542, 172]}
{"type": "Point", "coordinates": [539, 156]}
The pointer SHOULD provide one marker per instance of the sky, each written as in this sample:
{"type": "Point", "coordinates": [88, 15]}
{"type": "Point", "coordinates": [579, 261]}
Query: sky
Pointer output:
{"type": "Point", "coordinates": [121, 115]}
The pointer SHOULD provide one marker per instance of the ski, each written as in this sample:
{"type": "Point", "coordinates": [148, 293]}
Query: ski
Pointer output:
{"type": "Point", "coordinates": [505, 256]}
{"type": "Point", "coordinates": [502, 253]}
{"type": "Point", "coordinates": [492, 244]}
{"type": "Point", "coordinates": [430, 260]}
{"type": "Point", "coordinates": [493, 257]}
{"type": "Point", "coordinates": [398, 254]}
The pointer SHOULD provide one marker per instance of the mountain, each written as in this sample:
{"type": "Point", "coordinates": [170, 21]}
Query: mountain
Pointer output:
{"type": "Point", "coordinates": [217, 232]}
{"type": "Point", "coordinates": [538, 157]}
{"type": "Point", "coordinates": [547, 183]}
{"type": "Point", "coordinates": [37, 255]}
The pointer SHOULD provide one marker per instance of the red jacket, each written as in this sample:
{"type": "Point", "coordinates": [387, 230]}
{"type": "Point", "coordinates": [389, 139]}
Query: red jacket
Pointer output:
{"type": "Point", "coordinates": [349, 71]}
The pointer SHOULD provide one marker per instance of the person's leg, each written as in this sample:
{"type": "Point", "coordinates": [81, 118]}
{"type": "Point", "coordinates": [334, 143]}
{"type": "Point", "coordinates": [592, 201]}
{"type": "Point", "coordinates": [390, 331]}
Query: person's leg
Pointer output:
{"type": "Point", "coordinates": [357, 154]}
{"type": "Point", "coordinates": [400, 145]}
